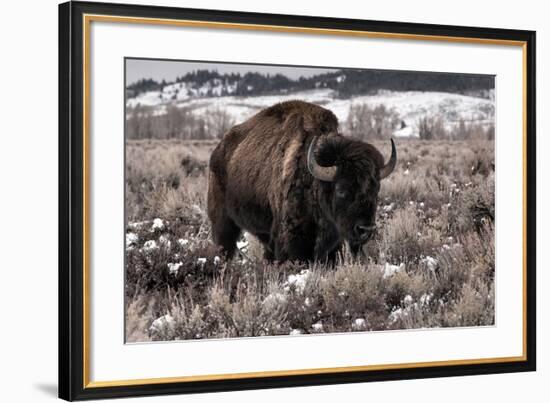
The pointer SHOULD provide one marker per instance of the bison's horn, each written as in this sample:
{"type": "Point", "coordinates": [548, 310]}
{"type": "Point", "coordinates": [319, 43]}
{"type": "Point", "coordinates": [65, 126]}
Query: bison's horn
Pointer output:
{"type": "Point", "coordinates": [326, 174]}
{"type": "Point", "coordinates": [390, 165]}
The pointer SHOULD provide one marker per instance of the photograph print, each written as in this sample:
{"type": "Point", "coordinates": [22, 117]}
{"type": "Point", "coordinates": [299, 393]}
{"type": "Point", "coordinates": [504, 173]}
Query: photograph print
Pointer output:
{"type": "Point", "coordinates": [269, 200]}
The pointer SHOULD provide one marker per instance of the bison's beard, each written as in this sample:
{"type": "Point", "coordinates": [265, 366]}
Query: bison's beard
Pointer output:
{"type": "Point", "coordinates": [356, 244]}
{"type": "Point", "coordinates": [355, 248]}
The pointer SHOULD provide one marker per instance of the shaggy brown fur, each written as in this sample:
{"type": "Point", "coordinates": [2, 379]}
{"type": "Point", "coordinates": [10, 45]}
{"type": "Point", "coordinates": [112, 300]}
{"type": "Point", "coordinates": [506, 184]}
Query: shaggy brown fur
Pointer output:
{"type": "Point", "coordinates": [259, 182]}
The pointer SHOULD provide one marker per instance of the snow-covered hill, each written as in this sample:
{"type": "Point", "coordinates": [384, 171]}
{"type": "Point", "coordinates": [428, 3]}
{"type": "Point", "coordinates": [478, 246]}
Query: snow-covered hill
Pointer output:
{"type": "Point", "coordinates": [410, 106]}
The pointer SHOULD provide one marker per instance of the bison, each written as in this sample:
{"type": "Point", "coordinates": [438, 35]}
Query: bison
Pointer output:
{"type": "Point", "coordinates": [288, 177]}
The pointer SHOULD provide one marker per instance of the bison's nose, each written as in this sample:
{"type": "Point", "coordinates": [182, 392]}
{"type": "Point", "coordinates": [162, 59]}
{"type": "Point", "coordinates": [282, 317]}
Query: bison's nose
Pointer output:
{"type": "Point", "coordinates": [362, 230]}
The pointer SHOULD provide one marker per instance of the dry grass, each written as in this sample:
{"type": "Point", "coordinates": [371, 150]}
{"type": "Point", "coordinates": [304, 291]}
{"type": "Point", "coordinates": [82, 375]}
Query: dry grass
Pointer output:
{"type": "Point", "coordinates": [430, 265]}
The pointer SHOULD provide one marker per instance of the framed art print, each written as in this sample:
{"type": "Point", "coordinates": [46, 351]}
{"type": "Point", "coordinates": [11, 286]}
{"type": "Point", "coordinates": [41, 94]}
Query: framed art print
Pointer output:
{"type": "Point", "coordinates": [256, 201]}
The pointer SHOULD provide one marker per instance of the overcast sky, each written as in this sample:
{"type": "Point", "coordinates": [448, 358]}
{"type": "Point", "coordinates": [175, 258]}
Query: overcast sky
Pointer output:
{"type": "Point", "coordinates": [137, 69]}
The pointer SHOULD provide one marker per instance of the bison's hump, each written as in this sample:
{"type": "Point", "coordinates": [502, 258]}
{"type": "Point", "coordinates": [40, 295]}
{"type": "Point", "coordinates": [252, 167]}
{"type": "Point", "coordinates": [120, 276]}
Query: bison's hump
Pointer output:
{"type": "Point", "coordinates": [314, 118]}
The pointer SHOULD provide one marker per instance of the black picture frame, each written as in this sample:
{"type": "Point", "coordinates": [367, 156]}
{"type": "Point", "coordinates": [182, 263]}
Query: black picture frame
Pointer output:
{"type": "Point", "coordinates": [72, 219]}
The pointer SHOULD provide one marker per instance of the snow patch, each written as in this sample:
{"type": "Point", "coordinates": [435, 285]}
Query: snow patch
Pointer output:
{"type": "Point", "coordinates": [425, 299]}
{"type": "Point", "coordinates": [165, 241]}
{"type": "Point", "coordinates": [396, 315]}
{"type": "Point", "coordinates": [241, 245]}
{"type": "Point", "coordinates": [174, 267]}
{"type": "Point", "coordinates": [430, 262]}
{"type": "Point", "coordinates": [298, 281]}
{"type": "Point", "coordinates": [317, 327]}
{"type": "Point", "coordinates": [158, 224]}
{"type": "Point", "coordinates": [131, 240]}
{"type": "Point", "coordinates": [164, 323]}
{"type": "Point", "coordinates": [359, 324]}
{"type": "Point", "coordinates": [150, 245]}
{"type": "Point", "coordinates": [392, 269]}
{"type": "Point", "coordinates": [137, 224]}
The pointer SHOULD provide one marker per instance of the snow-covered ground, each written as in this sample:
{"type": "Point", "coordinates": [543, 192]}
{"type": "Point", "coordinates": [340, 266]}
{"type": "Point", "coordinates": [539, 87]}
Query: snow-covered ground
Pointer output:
{"type": "Point", "coordinates": [410, 106]}
{"type": "Point", "coordinates": [178, 92]}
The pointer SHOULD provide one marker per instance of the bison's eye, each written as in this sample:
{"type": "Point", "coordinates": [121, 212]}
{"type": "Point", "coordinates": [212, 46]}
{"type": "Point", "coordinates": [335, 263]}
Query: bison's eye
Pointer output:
{"type": "Point", "coordinates": [340, 192]}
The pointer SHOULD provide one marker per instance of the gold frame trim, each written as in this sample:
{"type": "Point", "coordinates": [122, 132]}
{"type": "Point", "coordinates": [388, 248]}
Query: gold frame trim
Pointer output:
{"type": "Point", "coordinates": [88, 18]}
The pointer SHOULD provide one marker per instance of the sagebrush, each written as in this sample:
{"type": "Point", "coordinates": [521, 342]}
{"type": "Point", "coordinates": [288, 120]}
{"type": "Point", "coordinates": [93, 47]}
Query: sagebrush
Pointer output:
{"type": "Point", "coordinates": [431, 264]}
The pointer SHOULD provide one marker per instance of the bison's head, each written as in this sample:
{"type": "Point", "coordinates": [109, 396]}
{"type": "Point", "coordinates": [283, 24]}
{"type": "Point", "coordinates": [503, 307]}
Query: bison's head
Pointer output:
{"type": "Point", "coordinates": [350, 172]}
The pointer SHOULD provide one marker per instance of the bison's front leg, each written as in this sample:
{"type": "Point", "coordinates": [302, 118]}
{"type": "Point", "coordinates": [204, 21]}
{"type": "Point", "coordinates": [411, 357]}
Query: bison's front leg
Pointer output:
{"type": "Point", "coordinates": [265, 239]}
{"type": "Point", "coordinates": [224, 230]}
{"type": "Point", "coordinates": [292, 242]}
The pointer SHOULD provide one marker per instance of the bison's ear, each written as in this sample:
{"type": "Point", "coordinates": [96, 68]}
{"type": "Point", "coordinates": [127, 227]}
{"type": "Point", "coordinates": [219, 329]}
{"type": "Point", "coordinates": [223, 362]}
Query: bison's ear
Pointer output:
{"type": "Point", "coordinates": [329, 151]}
